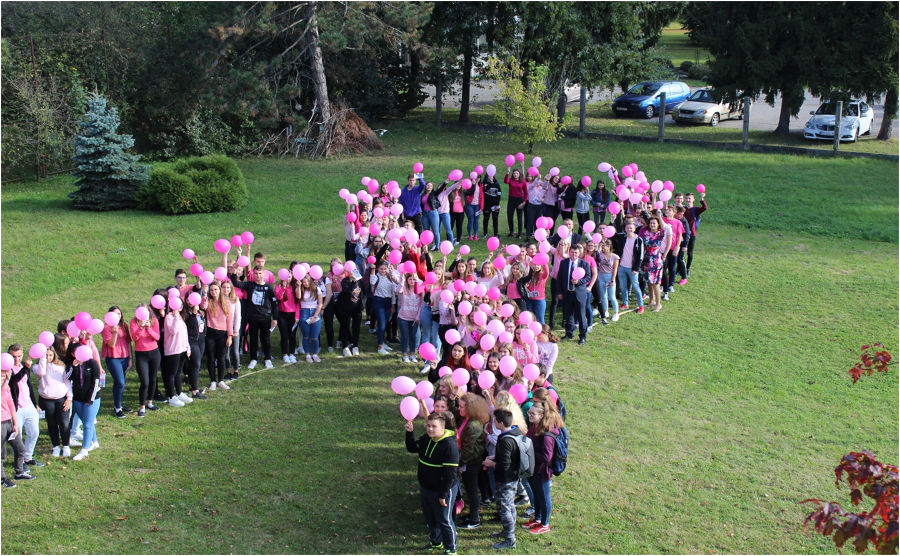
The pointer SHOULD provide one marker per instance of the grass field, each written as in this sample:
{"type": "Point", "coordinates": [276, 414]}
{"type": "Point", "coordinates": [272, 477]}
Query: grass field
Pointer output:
{"type": "Point", "coordinates": [678, 47]}
{"type": "Point", "coordinates": [694, 430]}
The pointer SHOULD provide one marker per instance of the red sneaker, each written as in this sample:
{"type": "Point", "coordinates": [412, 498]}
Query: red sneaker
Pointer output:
{"type": "Point", "coordinates": [623, 307]}
{"type": "Point", "coordinates": [640, 311]}
{"type": "Point", "coordinates": [539, 529]}
{"type": "Point", "coordinates": [530, 523]}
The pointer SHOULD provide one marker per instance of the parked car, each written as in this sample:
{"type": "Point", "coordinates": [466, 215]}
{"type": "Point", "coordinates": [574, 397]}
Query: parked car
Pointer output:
{"type": "Point", "coordinates": [643, 98]}
{"type": "Point", "coordinates": [856, 119]}
{"type": "Point", "coordinates": [701, 108]}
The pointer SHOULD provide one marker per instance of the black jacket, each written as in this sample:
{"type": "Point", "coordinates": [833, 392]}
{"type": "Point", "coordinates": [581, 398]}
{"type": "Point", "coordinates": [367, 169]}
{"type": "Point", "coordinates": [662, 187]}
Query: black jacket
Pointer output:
{"type": "Point", "coordinates": [196, 327]}
{"type": "Point", "coordinates": [492, 192]}
{"type": "Point", "coordinates": [507, 456]}
{"type": "Point", "coordinates": [21, 379]}
{"type": "Point", "coordinates": [637, 253]}
{"type": "Point", "coordinates": [261, 302]}
{"type": "Point", "coordinates": [438, 461]}
{"type": "Point", "coordinates": [84, 376]}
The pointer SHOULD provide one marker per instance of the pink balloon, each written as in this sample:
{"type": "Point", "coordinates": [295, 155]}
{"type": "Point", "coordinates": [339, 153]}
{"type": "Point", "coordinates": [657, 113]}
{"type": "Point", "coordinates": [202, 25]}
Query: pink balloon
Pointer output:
{"type": "Point", "coordinates": [365, 180]}
{"type": "Point", "coordinates": [173, 292]}
{"type": "Point", "coordinates": [412, 236]}
{"type": "Point", "coordinates": [586, 181]}
{"type": "Point", "coordinates": [536, 162]}
{"type": "Point", "coordinates": [465, 308]}
{"type": "Point", "coordinates": [455, 175]}
{"type": "Point", "coordinates": [96, 326]}
{"type": "Point", "coordinates": [614, 208]}
{"type": "Point", "coordinates": [609, 231]}
{"type": "Point", "coordinates": [403, 385]}
{"type": "Point", "coordinates": [428, 353]}
{"type": "Point", "coordinates": [499, 263]}
{"type": "Point", "coordinates": [578, 273]}
{"type": "Point", "coordinates": [466, 183]}
{"type": "Point", "coordinates": [588, 226]}
{"type": "Point", "coordinates": [72, 330]}
{"type": "Point", "coordinates": [351, 217]}
{"type": "Point", "coordinates": [491, 170]}
{"type": "Point", "coordinates": [562, 231]}
{"type": "Point", "coordinates": [479, 318]}
{"type": "Point", "coordinates": [221, 274]}
{"type": "Point", "coordinates": [554, 171]}
{"type": "Point", "coordinates": [545, 247]}
{"type": "Point", "coordinates": [424, 389]}
{"type": "Point", "coordinates": [452, 336]}
{"type": "Point", "coordinates": [343, 193]}
{"type": "Point", "coordinates": [464, 250]}
{"type": "Point", "coordinates": [378, 212]}
{"type": "Point", "coordinates": [520, 157]}
{"type": "Point", "coordinates": [487, 342]}
{"type": "Point", "coordinates": [634, 167]}
{"type": "Point", "coordinates": [222, 245]}
{"type": "Point", "coordinates": [175, 304]}
{"type": "Point", "coordinates": [519, 393]}
{"type": "Point", "coordinates": [409, 267]}
{"type": "Point", "coordinates": [316, 272]}
{"type": "Point", "coordinates": [446, 247]}
{"type": "Point", "coordinates": [640, 176]}
{"type": "Point", "coordinates": [510, 160]}
{"type": "Point", "coordinates": [659, 205]}
{"type": "Point", "coordinates": [284, 274]}
{"type": "Point", "coordinates": [701, 188]}
{"type": "Point", "coordinates": [505, 337]}
{"type": "Point", "coordinates": [444, 371]}
{"type": "Point", "coordinates": [645, 199]}
{"type": "Point", "coordinates": [460, 377]}
{"type": "Point", "coordinates": [513, 250]}
{"type": "Point", "coordinates": [7, 362]}
{"type": "Point", "coordinates": [656, 186]}
{"type": "Point", "coordinates": [417, 168]}
{"type": "Point", "coordinates": [36, 351]}
{"type": "Point", "coordinates": [604, 167]}
{"type": "Point", "coordinates": [188, 254]}
{"type": "Point", "coordinates": [430, 278]}
{"type": "Point", "coordinates": [349, 266]}
{"type": "Point", "coordinates": [525, 317]}
{"type": "Point", "coordinates": [668, 184]}
{"type": "Point", "coordinates": [635, 198]}
{"type": "Point", "coordinates": [526, 335]}
{"type": "Point", "coordinates": [247, 238]}
{"type": "Point", "coordinates": [493, 243]}
{"type": "Point", "coordinates": [46, 338]}
{"type": "Point", "coordinates": [112, 318]}
{"type": "Point", "coordinates": [496, 327]}
{"type": "Point", "coordinates": [447, 297]}
{"type": "Point", "coordinates": [540, 234]}
{"type": "Point", "coordinates": [396, 209]}
{"type": "Point", "coordinates": [627, 171]}
{"type": "Point", "coordinates": [540, 259]}
{"type": "Point", "coordinates": [196, 269]}
{"type": "Point", "coordinates": [83, 320]}
{"type": "Point", "coordinates": [565, 180]}
{"type": "Point", "coordinates": [532, 171]}
{"type": "Point", "coordinates": [597, 238]}
{"type": "Point", "coordinates": [429, 404]}
{"type": "Point", "coordinates": [236, 241]}
{"type": "Point", "coordinates": [486, 380]}
{"type": "Point", "coordinates": [141, 313]}
{"type": "Point", "coordinates": [336, 269]}
{"type": "Point", "coordinates": [83, 353]}
{"type": "Point", "coordinates": [370, 259]}
{"type": "Point", "coordinates": [494, 293]}
{"type": "Point", "coordinates": [207, 277]}
{"type": "Point", "coordinates": [426, 237]}
{"type": "Point", "coordinates": [158, 302]}
{"type": "Point", "coordinates": [507, 310]}
{"type": "Point", "coordinates": [535, 327]}
{"type": "Point", "coordinates": [665, 195]}
{"type": "Point", "coordinates": [476, 361]}
{"type": "Point", "coordinates": [409, 408]}
{"type": "Point", "coordinates": [473, 175]}
{"type": "Point", "coordinates": [299, 272]}
{"type": "Point", "coordinates": [531, 371]}
{"type": "Point", "coordinates": [194, 299]}
{"type": "Point", "coordinates": [479, 169]}
{"type": "Point", "coordinates": [394, 257]}
{"type": "Point", "coordinates": [269, 277]}
{"type": "Point", "coordinates": [508, 365]}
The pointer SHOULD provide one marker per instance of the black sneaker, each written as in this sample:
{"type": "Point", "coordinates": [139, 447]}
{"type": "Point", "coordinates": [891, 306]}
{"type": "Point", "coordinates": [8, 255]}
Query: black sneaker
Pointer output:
{"type": "Point", "coordinates": [158, 397]}
{"type": "Point", "coordinates": [605, 322]}
{"type": "Point", "coordinates": [449, 552]}
{"type": "Point", "coordinates": [120, 414]}
{"type": "Point", "coordinates": [486, 502]}
{"type": "Point", "coordinates": [9, 484]}
{"type": "Point", "coordinates": [200, 396]}
{"type": "Point", "coordinates": [23, 476]}
{"type": "Point", "coordinates": [125, 409]}
{"type": "Point", "coordinates": [470, 525]}
{"type": "Point", "coordinates": [141, 412]}
{"type": "Point", "coordinates": [505, 543]}
{"type": "Point", "coordinates": [520, 500]}
{"type": "Point", "coordinates": [152, 407]}
{"type": "Point", "coordinates": [234, 375]}
{"type": "Point", "coordinates": [32, 463]}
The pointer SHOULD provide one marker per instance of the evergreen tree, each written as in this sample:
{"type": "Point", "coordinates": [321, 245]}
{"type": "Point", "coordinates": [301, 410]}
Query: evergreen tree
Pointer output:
{"type": "Point", "coordinates": [108, 177]}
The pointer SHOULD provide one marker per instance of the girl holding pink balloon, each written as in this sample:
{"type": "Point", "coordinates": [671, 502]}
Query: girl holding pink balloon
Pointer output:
{"type": "Point", "coordinates": [332, 283]}
{"type": "Point", "coordinates": [55, 394]}
{"type": "Point", "coordinates": [285, 293]}
{"type": "Point", "coordinates": [518, 197]}
{"type": "Point", "coordinates": [582, 205]}
{"type": "Point", "coordinates": [175, 353]}
{"type": "Point", "coordinates": [600, 202]}
{"type": "Point", "coordinates": [195, 322]}
{"type": "Point", "coordinates": [84, 374]}
{"type": "Point", "coordinates": [232, 352]}
{"type": "Point", "coordinates": [117, 354]}
{"type": "Point", "coordinates": [547, 350]}
{"type": "Point", "coordinates": [511, 286]}
{"type": "Point", "coordinates": [218, 335]}
{"type": "Point", "coordinates": [311, 304]}
{"type": "Point", "coordinates": [382, 282]}
{"type": "Point", "coordinates": [607, 270]}
{"type": "Point", "coordinates": [409, 303]}
{"type": "Point", "coordinates": [457, 211]}
{"type": "Point", "coordinates": [535, 286]}
{"type": "Point", "coordinates": [445, 194]}
{"type": "Point", "coordinates": [473, 208]}
{"type": "Point", "coordinates": [430, 219]}
{"type": "Point", "coordinates": [144, 331]}
{"type": "Point", "coordinates": [551, 196]}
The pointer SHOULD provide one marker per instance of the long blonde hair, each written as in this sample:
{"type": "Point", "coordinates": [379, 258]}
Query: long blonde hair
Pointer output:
{"type": "Point", "coordinates": [504, 400]}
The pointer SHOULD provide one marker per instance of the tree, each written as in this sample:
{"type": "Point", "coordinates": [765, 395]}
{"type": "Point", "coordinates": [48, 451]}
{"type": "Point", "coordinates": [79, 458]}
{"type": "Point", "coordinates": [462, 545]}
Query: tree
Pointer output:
{"type": "Point", "coordinates": [108, 177]}
{"type": "Point", "coordinates": [522, 108]}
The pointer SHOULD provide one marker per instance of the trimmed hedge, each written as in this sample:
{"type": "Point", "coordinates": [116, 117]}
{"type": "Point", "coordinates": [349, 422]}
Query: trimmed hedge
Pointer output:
{"type": "Point", "coordinates": [698, 71]}
{"type": "Point", "coordinates": [211, 183]}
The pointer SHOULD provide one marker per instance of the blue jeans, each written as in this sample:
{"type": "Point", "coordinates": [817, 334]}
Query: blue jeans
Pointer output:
{"type": "Point", "coordinates": [430, 221]}
{"type": "Point", "coordinates": [429, 328]}
{"type": "Point", "coordinates": [444, 219]}
{"type": "Point", "coordinates": [588, 310]}
{"type": "Point", "coordinates": [382, 307]}
{"type": "Point", "coordinates": [538, 307]}
{"type": "Point", "coordinates": [629, 281]}
{"type": "Point", "coordinates": [88, 414]}
{"type": "Point", "coordinates": [607, 293]}
{"type": "Point", "coordinates": [116, 367]}
{"type": "Point", "coordinates": [409, 335]}
{"type": "Point", "coordinates": [542, 504]}
{"type": "Point", "coordinates": [310, 331]}
{"type": "Point", "coordinates": [472, 219]}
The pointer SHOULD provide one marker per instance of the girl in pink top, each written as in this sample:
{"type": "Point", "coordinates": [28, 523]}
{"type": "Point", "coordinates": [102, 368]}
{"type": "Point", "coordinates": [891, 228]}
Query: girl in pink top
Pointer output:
{"type": "Point", "coordinates": [511, 288]}
{"type": "Point", "coordinates": [548, 350]}
{"type": "Point", "coordinates": [232, 352]}
{"type": "Point", "coordinates": [55, 394]}
{"type": "Point", "coordinates": [117, 352]}
{"type": "Point", "coordinates": [524, 352]}
{"type": "Point", "coordinates": [536, 288]}
{"type": "Point", "coordinates": [410, 298]}
{"type": "Point", "coordinates": [288, 315]}
{"type": "Point", "coordinates": [218, 334]}
{"type": "Point", "coordinates": [176, 350]}
{"type": "Point", "coordinates": [145, 334]}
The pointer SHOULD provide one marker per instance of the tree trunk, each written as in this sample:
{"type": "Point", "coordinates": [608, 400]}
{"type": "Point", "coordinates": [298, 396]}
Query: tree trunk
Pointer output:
{"type": "Point", "coordinates": [561, 100]}
{"type": "Point", "coordinates": [319, 85]}
{"type": "Point", "coordinates": [438, 100]}
{"type": "Point", "coordinates": [412, 82]}
{"type": "Point", "coordinates": [890, 112]}
{"type": "Point", "coordinates": [582, 111]}
{"type": "Point", "coordinates": [466, 82]}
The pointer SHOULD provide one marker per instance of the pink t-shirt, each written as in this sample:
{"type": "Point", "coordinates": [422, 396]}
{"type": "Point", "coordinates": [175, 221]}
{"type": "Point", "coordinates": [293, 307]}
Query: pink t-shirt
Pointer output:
{"type": "Point", "coordinates": [122, 347]}
{"type": "Point", "coordinates": [175, 340]}
{"type": "Point", "coordinates": [677, 233]}
{"type": "Point", "coordinates": [24, 395]}
{"type": "Point", "coordinates": [6, 401]}
{"type": "Point", "coordinates": [145, 338]}
{"type": "Point", "coordinates": [408, 305]}
{"type": "Point", "coordinates": [537, 289]}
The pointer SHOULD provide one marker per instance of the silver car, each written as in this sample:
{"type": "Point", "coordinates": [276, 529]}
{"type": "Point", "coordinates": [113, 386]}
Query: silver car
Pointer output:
{"type": "Point", "coordinates": [702, 108]}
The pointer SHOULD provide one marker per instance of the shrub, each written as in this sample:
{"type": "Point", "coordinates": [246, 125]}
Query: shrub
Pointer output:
{"type": "Point", "coordinates": [686, 65]}
{"type": "Point", "coordinates": [198, 184]}
{"type": "Point", "coordinates": [698, 71]}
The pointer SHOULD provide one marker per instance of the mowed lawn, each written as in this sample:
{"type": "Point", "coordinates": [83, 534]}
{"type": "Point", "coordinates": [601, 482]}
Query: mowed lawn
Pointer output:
{"type": "Point", "coordinates": [694, 430]}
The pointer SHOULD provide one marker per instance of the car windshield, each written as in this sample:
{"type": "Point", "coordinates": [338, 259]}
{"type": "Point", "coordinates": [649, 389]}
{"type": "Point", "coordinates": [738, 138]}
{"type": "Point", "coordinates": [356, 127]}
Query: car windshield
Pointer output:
{"type": "Point", "coordinates": [644, 89]}
{"type": "Point", "coordinates": [830, 107]}
{"type": "Point", "coordinates": [703, 95]}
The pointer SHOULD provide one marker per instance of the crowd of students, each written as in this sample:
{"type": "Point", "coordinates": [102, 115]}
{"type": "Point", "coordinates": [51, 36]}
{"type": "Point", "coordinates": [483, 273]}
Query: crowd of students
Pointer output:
{"type": "Point", "coordinates": [490, 319]}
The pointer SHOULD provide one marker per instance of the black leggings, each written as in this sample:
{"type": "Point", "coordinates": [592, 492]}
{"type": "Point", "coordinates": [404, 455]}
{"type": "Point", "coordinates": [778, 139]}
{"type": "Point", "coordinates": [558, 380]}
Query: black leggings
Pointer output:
{"type": "Point", "coordinates": [445, 345]}
{"type": "Point", "coordinates": [490, 215]}
{"type": "Point", "coordinates": [582, 218]}
{"type": "Point", "coordinates": [350, 323]}
{"type": "Point", "coordinates": [470, 482]}
{"type": "Point", "coordinates": [196, 359]}
{"type": "Point", "coordinates": [288, 333]}
{"type": "Point", "coordinates": [328, 324]}
{"type": "Point", "coordinates": [173, 369]}
{"type": "Point", "coordinates": [147, 365]}
{"type": "Point", "coordinates": [57, 420]}
{"type": "Point", "coordinates": [215, 354]}
{"type": "Point", "coordinates": [456, 221]}
{"type": "Point", "coordinates": [512, 206]}
{"type": "Point", "coordinates": [532, 212]}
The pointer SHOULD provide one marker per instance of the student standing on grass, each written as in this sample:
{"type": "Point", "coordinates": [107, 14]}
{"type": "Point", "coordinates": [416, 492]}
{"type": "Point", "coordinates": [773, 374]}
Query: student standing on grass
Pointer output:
{"type": "Point", "coordinates": [474, 412]}
{"type": "Point", "coordinates": [117, 353]}
{"type": "Point", "coordinates": [287, 315]}
{"type": "Point", "coordinates": [518, 195]}
{"type": "Point", "coordinates": [490, 204]}
{"type": "Point", "coordinates": [409, 305]}
{"type": "Point", "coordinates": [599, 202]}
{"type": "Point", "coordinates": [534, 198]}
{"type": "Point", "coordinates": [437, 474]}
{"type": "Point", "coordinates": [233, 351]}
{"type": "Point", "coordinates": [382, 282]}
{"type": "Point", "coordinates": [607, 270]}
{"type": "Point", "coordinates": [349, 313]}
{"type": "Point", "coordinates": [473, 208]}
{"type": "Point", "coordinates": [147, 357]}
{"type": "Point", "coordinates": [311, 303]}
{"type": "Point", "coordinates": [25, 402]}
{"type": "Point", "coordinates": [10, 434]}
{"type": "Point", "coordinates": [543, 419]}
{"type": "Point", "coordinates": [261, 308]}
{"type": "Point", "coordinates": [195, 321]}
{"type": "Point", "coordinates": [573, 293]}
{"type": "Point", "coordinates": [411, 200]}
{"type": "Point", "coordinates": [505, 463]}
{"type": "Point", "coordinates": [692, 215]}
{"type": "Point", "coordinates": [176, 351]}
{"type": "Point", "coordinates": [218, 334]}
{"type": "Point", "coordinates": [85, 378]}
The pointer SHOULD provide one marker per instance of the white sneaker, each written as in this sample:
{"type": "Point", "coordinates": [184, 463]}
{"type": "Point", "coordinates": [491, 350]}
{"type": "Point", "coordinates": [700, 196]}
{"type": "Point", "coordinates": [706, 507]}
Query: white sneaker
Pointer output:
{"type": "Point", "coordinates": [296, 351]}
{"type": "Point", "coordinates": [383, 351]}
{"type": "Point", "coordinates": [212, 386]}
{"type": "Point", "coordinates": [346, 352]}
{"type": "Point", "coordinates": [316, 358]}
{"type": "Point", "coordinates": [425, 369]}
{"type": "Point", "coordinates": [308, 358]}
{"type": "Point", "coordinates": [67, 452]}
{"type": "Point", "coordinates": [269, 364]}
{"type": "Point", "coordinates": [185, 398]}
{"type": "Point", "coordinates": [387, 347]}
{"type": "Point", "coordinates": [76, 439]}
{"type": "Point", "coordinates": [595, 312]}
{"type": "Point", "coordinates": [666, 296]}
{"type": "Point", "coordinates": [80, 455]}
{"type": "Point", "coordinates": [406, 359]}
{"type": "Point", "coordinates": [355, 351]}
{"type": "Point", "coordinates": [286, 358]}
{"type": "Point", "coordinates": [94, 445]}
{"type": "Point", "coordinates": [615, 317]}
{"type": "Point", "coordinates": [413, 360]}
{"type": "Point", "coordinates": [175, 402]}
{"type": "Point", "coordinates": [224, 386]}
{"type": "Point", "coordinates": [55, 452]}
{"type": "Point", "coordinates": [252, 364]}
{"type": "Point", "coordinates": [293, 358]}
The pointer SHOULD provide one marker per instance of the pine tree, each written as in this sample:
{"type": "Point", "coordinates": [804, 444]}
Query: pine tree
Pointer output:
{"type": "Point", "coordinates": [108, 177]}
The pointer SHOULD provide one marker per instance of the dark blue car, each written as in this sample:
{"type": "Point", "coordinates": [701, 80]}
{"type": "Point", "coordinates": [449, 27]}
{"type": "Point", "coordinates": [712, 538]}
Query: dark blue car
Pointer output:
{"type": "Point", "coordinates": [643, 98]}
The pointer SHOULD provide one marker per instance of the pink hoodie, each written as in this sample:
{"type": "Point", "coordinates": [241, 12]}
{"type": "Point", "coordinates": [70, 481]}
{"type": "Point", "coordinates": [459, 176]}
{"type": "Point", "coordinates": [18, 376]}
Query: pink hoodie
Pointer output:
{"type": "Point", "coordinates": [175, 340]}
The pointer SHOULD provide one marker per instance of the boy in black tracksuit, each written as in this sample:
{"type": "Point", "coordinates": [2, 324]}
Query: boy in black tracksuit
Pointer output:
{"type": "Point", "coordinates": [438, 467]}
{"type": "Point", "coordinates": [490, 204]}
{"type": "Point", "coordinates": [505, 462]}
{"type": "Point", "coordinates": [261, 309]}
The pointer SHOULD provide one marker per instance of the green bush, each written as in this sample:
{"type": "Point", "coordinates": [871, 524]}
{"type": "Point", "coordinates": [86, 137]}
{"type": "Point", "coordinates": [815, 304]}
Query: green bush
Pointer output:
{"type": "Point", "coordinates": [698, 71]}
{"type": "Point", "coordinates": [211, 183]}
{"type": "Point", "coordinates": [686, 65]}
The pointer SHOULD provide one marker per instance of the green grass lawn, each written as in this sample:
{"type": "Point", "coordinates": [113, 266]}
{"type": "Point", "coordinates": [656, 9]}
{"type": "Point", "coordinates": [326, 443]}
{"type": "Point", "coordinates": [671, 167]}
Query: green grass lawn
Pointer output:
{"type": "Point", "coordinates": [697, 429]}
{"type": "Point", "coordinates": [678, 47]}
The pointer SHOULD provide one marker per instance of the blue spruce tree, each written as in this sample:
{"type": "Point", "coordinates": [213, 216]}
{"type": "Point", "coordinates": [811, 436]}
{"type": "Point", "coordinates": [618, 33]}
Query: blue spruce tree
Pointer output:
{"type": "Point", "coordinates": [108, 177]}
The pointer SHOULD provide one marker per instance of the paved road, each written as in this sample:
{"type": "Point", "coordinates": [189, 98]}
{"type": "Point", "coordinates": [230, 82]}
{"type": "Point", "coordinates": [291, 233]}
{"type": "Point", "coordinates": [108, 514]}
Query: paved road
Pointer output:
{"type": "Point", "coordinates": [763, 116]}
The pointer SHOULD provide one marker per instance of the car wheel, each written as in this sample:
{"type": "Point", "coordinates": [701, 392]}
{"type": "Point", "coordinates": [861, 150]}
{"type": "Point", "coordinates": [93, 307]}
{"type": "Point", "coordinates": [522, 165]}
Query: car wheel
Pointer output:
{"type": "Point", "coordinates": [714, 121]}
{"type": "Point", "coordinates": [649, 112]}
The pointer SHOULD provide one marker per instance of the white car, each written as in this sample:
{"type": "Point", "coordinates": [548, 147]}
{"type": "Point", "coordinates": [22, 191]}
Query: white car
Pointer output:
{"type": "Point", "coordinates": [856, 119]}
{"type": "Point", "coordinates": [701, 108]}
